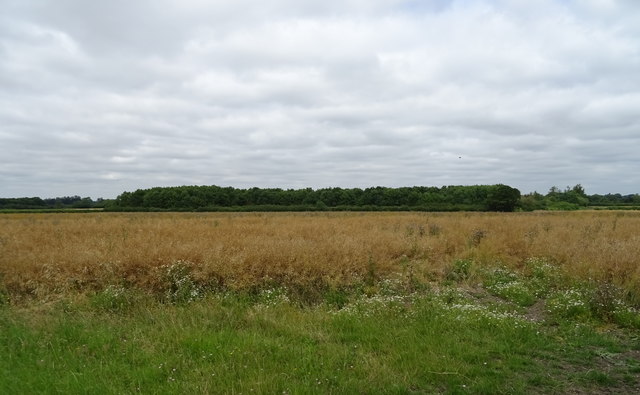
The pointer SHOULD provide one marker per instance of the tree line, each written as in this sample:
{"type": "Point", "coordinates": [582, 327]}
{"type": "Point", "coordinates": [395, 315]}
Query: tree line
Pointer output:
{"type": "Point", "coordinates": [215, 198]}
{"type": "Point", "coordinates": [574, 198]}
{"type": "Point", "coordinates": [419, 198]}
{"type": "Point", "coordinates": [65, 202]}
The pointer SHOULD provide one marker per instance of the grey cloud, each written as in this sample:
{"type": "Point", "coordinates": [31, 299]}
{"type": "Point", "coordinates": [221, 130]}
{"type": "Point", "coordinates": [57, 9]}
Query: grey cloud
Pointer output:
{"type": "Point", "coordinates": [98, 98]}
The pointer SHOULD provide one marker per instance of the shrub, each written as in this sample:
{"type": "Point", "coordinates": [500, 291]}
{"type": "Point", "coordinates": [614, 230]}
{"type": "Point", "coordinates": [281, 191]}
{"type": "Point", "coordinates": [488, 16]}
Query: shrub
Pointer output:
{"type": "Point", "coordinates": [459, 270]}
{"type": "Point", "coordinates": [337, 298]}
{"type": "Point", "coordinates": [502, 198]}
{"type": "Point", "coordinates": [604, 300]}
{"type": "Point", "coordinates": [181, 288]}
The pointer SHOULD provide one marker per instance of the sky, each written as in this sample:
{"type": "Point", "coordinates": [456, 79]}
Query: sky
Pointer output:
{"type": "Point", "coordinates": [102, 97]}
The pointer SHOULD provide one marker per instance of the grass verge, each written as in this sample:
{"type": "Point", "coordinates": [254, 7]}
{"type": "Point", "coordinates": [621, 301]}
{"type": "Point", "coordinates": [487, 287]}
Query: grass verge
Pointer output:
{"type": "Point", "coordinates": [450, 340]}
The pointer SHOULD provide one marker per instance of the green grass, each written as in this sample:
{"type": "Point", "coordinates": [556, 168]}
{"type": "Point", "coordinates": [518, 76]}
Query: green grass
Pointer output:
{"type": "Point", "coordinates": [442, 341]}
{"type": "Point", "coordinates": [494, 330]}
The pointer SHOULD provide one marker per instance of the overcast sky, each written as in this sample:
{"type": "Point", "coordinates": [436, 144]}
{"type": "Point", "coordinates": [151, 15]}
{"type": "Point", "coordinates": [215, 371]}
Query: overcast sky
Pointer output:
{"type": "Point", "coordinates": [99, 97]}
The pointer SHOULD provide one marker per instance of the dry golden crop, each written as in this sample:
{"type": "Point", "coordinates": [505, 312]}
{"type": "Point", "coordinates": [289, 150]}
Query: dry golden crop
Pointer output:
{"type": "Point", "coordinates": [47, 254]}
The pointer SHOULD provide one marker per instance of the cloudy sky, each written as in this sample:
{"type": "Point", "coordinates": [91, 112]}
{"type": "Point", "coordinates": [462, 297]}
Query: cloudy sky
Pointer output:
{"type": "Point", "coordinates": [99, 97]}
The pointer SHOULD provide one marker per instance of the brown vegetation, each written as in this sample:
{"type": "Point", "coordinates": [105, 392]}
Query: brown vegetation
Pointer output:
{"type": "Point", "coordinates": [47, 254]}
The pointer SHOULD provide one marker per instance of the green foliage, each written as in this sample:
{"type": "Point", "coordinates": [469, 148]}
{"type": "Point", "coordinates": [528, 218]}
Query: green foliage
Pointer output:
{"type": "Point", "coordinates": [502, 198]}
{"type": "Point", "coordinates": [572, 303]}
{"type": "Point", "coordinates": [83, 203]}
{"type": "Point", "coordinates": [418, 198]}
{"type": "Point", "coordinates": [180, 286]}
{"type": "Point", "coordinates": [371, 275]}
{"type": "Point", "coordinates": [510, 286]}
{"type": "Point", "coordinates": [500, 275]}
{"type": "Point", "coordinates": [376, 335]}
{"type": "Point", "coordinates": [442, 342]}
{"type": "Point", "coordinates": [562, 206]}
{"type": "Point", "coordinates": [321, 206]}
{"type": "Point", "coordinates": [575, 198]}
{"type": "Point", "coordinates": [337, 297]}
{"type": "Point", "coordinates": [517, 292]}
{"type": "Point", "coordinates": [460, 270]}
{"type": "Point", "coordinates": [36, 203]}
{"type": "Point", "coordinates": [532, 201]}
{"type": "Point", "coordinates": [615, 200]}
{"type": "Point", "coordinates": [215, 198]}
{"type": "Point", "coordinates": [4, 297]}
{"type": "Point", "coordinates": [22, 203]}
{"type": "Point", "coordinates": [605, 299]}
{"type": "Point", "coordinates": [627, 317]}
{"type": "Point", "coordinates": [543, 276]}
{"type": "Point", "coordinates": [270, 297]}
{"type": "Point", "coordinates": [114, 298]}
{"type": "Point", "coordinates": [569, 199]}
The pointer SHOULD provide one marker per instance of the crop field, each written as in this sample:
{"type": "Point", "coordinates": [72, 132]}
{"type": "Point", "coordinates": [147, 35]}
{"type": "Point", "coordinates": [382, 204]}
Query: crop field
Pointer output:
{"type": "Point", "coordinates": [50, 254]}
{"type": "Point", "coordinates": [320, 302]}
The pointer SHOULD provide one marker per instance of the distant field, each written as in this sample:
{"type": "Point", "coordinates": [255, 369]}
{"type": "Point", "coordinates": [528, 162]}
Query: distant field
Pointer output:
{"type": "Point", "coordinates": [543, 302]}
{"type": "Point", "coordinates": [48, 254]}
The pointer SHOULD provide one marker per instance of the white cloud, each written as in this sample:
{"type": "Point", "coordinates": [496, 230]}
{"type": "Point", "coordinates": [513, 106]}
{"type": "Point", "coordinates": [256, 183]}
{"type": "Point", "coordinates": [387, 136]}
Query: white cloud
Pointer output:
{"type": "Point", "coordinates": [98, 98]}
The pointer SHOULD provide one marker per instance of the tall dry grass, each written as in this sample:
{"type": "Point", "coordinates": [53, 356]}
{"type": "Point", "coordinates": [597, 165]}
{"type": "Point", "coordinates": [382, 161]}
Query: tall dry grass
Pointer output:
{"type": "Point", "coordinates": [48, 254]}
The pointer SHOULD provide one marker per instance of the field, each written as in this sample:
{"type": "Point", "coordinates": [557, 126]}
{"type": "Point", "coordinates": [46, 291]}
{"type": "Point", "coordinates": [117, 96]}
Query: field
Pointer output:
{"type": "Point", "coordinates": [320, 302]}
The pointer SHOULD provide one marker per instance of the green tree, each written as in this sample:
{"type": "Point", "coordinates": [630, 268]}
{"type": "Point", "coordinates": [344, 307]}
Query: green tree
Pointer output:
{"type": "Point", "coordinates": [532, 201]}
{"type": "Point", "coordinates": [502, 198]}
{"type": "Point", "coordinates": [83, 203]}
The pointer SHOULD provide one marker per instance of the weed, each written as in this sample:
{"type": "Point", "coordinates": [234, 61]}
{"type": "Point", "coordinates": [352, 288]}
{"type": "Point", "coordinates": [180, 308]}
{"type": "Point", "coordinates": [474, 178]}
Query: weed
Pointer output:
{"type": "Point", "coordinates": [605, 299]}
{"type": "Point", "coordinates": [113, 298]}
{"type": "Point", "coordinates": [336, 298]}
{"type": "Point", "coordinates": [460, 270]}
{"type": "Point", "coordinates": [415, 229]}
{"type": "Point", "coordinates": [477, 235]}
{"type": "Point", "coordinates": [499, 275]}
{"type": "Point", "coordinates": [508, 285]}
{"type": "Point", "coordinates": [531, 234]}
{"type": "Point", "coordinates": [181, 288]}
{"type": "Point", "coordinates": [308, 292]}
{"type": "Point", "coordinates": [627, 317]}
{"type": "Point", "coordinates": [272, 297]}
{"type": "Point", "coordinates": [569, 304]}
{"type": "Point", "coordinates": [543, 276]}
{"type": "Point", "coordinates": [434, 229]}
{"type": "Point", "coordinates": [4, 295]}
{"type": "Point", "coordinates": [371, 276]}
{"type": "Point", "coordinates": [516, 292]}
